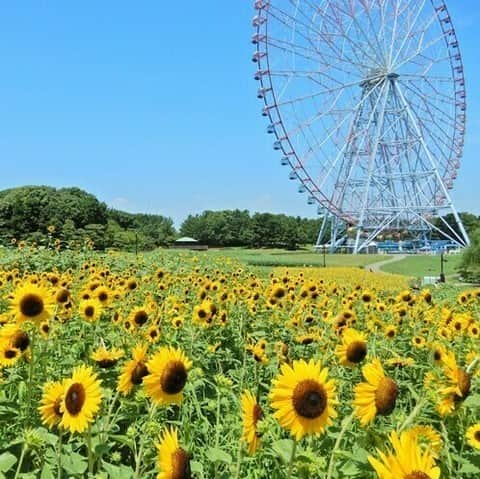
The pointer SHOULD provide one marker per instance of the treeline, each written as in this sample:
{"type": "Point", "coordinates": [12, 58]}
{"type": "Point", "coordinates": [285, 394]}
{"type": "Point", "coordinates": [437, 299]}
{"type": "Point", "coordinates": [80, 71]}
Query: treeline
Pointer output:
{"type": "Point", "coordinates": [258, 230]}
{"type": "Point", "coordinates": [72, 218]}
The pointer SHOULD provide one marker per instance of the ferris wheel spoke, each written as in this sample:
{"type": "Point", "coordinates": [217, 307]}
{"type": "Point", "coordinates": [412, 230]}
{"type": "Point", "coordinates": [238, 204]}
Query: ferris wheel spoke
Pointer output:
{"type": "Point", "coordinates": [338, 125]}
{"type": "Point", "coordinates": [309, 54]}
{"type": "Point", "coordinates": [337, 25]}
{"type": "Point", "coordinates": [431, 103]}
{"type": "Point", "coordinates": [429, 78]}
{"type": "Point", "coordinates": [367, 9]}
{"type": "Point", "coordinates": [336, 56]}
{"type": "Point", "coordinates": [359, 29]}
{"type": "Point", "coordinates": [420, 51]}
{"type": "Point", "coordinates": [407, 34]}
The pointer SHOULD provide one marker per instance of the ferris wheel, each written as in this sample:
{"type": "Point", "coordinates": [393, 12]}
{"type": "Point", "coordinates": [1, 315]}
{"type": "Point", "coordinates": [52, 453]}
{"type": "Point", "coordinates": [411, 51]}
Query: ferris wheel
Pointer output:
{"type": "Point", "coordinates": [366, 102]}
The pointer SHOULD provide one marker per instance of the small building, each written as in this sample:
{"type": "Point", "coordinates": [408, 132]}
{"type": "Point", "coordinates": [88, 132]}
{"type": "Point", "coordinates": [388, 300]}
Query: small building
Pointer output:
{"type": "Point", "coordinates": [189, 243]}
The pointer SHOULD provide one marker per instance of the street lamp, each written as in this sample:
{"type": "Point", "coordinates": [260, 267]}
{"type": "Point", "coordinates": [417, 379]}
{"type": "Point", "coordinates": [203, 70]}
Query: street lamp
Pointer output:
{"type": "Point", "coordinates": [442, 269]}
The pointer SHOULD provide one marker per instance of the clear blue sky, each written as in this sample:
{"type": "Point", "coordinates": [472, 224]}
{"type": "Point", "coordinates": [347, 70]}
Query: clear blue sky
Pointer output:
{"type": "Point", "coordinates": [152, 107]}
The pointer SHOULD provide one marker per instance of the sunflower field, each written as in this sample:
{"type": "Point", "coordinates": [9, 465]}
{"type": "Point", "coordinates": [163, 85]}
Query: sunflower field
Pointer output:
{"type": "Point", "coordinates": [182, 366]}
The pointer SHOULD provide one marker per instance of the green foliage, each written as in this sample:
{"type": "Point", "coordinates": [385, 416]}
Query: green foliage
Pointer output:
{"type": "Point", "coordinates": [470, 221]}
{"type": "Point", "coordinates": [470, 265]}
{"type": "Point", "coordinates": [260, 230]}
{"type": "Point", "coordinates": [71, 218]}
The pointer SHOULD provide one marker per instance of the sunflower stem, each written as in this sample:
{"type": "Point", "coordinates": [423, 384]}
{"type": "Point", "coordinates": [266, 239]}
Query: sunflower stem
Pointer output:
{"type": "Point", "coordinates": [30, 376]}
{"type": "Point", "coordinates": [89, 451]}
{"type": "Point", "coordinates": [412, 415]}
{"type": "Point", "coordinates": [346, 424]}
{"type": "Point", "coordinates": [292, 459]}
{"type": "Point", "coordinates": [59, 454]}
{"type": "Point", "coordinates": [239, 460]}
{"type": "Point", "coordinates": [109, 417]}
{"type": "Point", "coordinates": [447, 448]}
{"type": "Point", "coordinates": [139, 456]}
{"type": "Point", "coordinates": [20, 461]}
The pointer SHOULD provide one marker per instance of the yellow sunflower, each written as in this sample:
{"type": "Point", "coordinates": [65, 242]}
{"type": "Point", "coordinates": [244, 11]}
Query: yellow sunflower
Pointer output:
{"type": "Point", "coordinates": [376, 396]}
{"type": "Point", "coordinates": [106, 358]}
{"type": "Point", "coordinates": [167, 376]}
{"type": "Point", "coordinates": [353, 348]}
{"type": "Point", "coordinates": [32, 302]}
{"type": "Point", "coordinates": [251, 414]}
{"type": "Point", "coordinates": [49, 408]}
{"type": "Point", "coordinates": [133, 371]}
{"type": "Point", "coordinates": [429, 436]}
{"type": "Point", "coordinates": [81, 400]}
{"type": "Point", "coordinates": [408, 460]}
{"type": "Point", "coordinates": [473, 436]}
{"type": "Point", "coordinates": [303, 399]}
{"type": "Point", "coordinates": [9, 355]}
{"type": "Point", "coordinates": [13, 335]}
{"type": "Point", "coordinates": [173, 461]}
{"type": "Point", "coordinates": [138, 316]}
{"type": "Point", "coordinates": [457, 387]}
{"type": "Point", "coordinates": [90, 310]}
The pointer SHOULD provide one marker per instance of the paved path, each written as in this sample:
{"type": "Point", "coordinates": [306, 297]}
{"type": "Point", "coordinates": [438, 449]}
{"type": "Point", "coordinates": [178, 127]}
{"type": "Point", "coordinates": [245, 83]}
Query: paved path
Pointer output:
{"type": "Point", "coordinates": [376, 267]}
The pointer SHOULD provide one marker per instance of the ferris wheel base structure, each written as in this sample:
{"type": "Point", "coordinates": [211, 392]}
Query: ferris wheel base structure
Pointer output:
{"type": "Point", "coordinates": [337, 235]}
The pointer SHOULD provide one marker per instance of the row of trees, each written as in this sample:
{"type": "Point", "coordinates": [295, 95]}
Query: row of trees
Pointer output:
{"type": "Point", "coordinates": [258, 230]}
{"type": "Point", "coordinates": [71, 218]}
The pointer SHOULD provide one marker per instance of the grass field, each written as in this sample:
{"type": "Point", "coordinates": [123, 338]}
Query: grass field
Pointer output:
{"type": "Point", "coordinates": [423, 265]}
{"type": "Point", "coordinates": [278, 257]}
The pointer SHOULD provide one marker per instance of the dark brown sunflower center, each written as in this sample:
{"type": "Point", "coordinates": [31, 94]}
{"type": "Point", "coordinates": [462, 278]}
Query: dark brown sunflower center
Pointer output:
{"type": "Point", "coordinates": [63, 296]}
{"type": "Point", "coordinates": [279, 293]}
{"type": "Point", "coordinates": [10, 353]}
{"type": "Point", "coordinates": [56, 407]}
{"type": "Point", "coordinates": [357, 351]}
{"type": "Point", "coordinates": [309, 399]}
{"type": "Point", "coordinates": [417, 475]}
{"type": "Point", "coordinates": [386, 396]}
{"type": "Point", "coordinates": [141, 317]}
{"type": "Point", "coordinates": [257, 413]}
{"type": "Point", "coordinates": [477, 436]}
{"type": "Point", "coordinates": [437, 355]}
{"type": "Point", "coordinates": [181, 465]}
{"type": "Point", "coordinates": [174, 377]}
{"type": "Point", "coordinates": [75, 398]}
{"type": "Point", "coordinates": [464, 384]}
{"type": "Point", "coordinates": [89, 311]}
{"type": "Point", "coordinates": [103, 296]}
{"type": "Point", "coordinates": [139, 372]}
{"type": "Point", "coordinates": [107, 362]}
{"type": "Point", "coordinates": [31, 305]}
{"type": "Point", "coordinates": [21, 341]}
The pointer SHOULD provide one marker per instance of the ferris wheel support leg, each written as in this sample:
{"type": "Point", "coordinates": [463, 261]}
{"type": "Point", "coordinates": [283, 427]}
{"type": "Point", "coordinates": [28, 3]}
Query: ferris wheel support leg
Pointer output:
{"type": "Point", "coordinates": [321, 234]}
{"type": "Point", "coordinates": [371, 163]}
{"type": "Point", "coordinates": [466, 239]}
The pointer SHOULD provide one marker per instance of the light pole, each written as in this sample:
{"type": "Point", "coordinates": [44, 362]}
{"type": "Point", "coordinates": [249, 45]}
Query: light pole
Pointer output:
{"type": "Point", "coordinates": [442, 269]}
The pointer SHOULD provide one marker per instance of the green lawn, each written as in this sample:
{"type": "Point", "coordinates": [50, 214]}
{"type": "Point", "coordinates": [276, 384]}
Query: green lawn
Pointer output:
{"type": "Point", "coordinates": [423, 265]}
{"type": "Point", "coordinates": [277, 257]}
